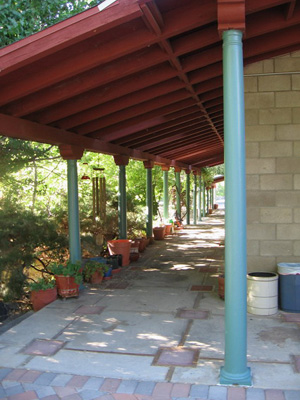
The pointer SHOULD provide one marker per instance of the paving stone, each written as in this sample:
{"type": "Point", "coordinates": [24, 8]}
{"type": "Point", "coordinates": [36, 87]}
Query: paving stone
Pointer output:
{"type": "Point", "coordinates": [13, 390]}
{"type": "Point", "coordinates": [127, 387]}
{"type": "Point", "coordinates": [291, 394]}
{"type": "Point", "coordinates": [200, 391]}
{"type": "Point", "coordinates": [180, 390]}
{"type": "Point", "coordinates": [24, 396]}
{"type": "Point", "coordinates": [41, 391]}
{"type": "Point", "coordinates": [88, 394]}
{"type": "Point", "coordinates": [255, 394]}
{"type": "Point", "coordinates": [124, 396]}
{"type": "Point", "coordinates": [4, 372]}
{"type": "Point", "coordinates": [192, 314]}
{"type": "Point", "coordinates": [46, 378]}
{"type": "Point", "coordinates": [297, 362]}
{"type": "Point", "coordinates": [30, 376]}
{"type": "Point", "coordinates": [145, 388]}
{"type": "Point", "coordinates": [43, 347]}
{"type": "Point", "coordinates": [61, 380]}
{"type": "Point", "coordinates": [217, 393]}
{"type": "Point", "coordinates": [93, 383]}
{"type": "Point", "coordinates": [64, 391]}
{"type": "Point", "coordinates": [2, 393]}
{"type": "Point", "coordinates": [176, 356]}
{"type": "Point", "coordinates": [78, 381]}
{"type": "Point", "coordinates": [52, 397]}
{"type": "Point", "coordinates": [15, 374]}
{"type": "Point", "coordinates": [236, 393]}
{"type": "Point", "coordinates": [273, 394]}
{"type": "Point", "coordinates": [74, 396]}
{"type": "Point", "coordinates": [89, 309]}
{"type": "Point", "coordinates": [110, 385]}
{"type": "Point", "coordinates": [162, 389]}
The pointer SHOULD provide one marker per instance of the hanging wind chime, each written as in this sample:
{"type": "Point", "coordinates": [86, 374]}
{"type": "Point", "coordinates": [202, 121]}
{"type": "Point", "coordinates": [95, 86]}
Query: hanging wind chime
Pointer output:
{"type": "Point", "coordinates": [99, 196]}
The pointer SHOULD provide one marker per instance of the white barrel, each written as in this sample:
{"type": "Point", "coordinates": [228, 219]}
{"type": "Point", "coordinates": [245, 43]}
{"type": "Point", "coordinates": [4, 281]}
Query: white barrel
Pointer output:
{"type": "Point", "coordinates": [262, 293]}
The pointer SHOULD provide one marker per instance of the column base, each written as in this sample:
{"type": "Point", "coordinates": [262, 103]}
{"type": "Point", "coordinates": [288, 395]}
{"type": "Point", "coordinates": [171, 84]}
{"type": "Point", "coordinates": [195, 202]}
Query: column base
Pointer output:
{"type": "Point", "coordinates": [227, 378]}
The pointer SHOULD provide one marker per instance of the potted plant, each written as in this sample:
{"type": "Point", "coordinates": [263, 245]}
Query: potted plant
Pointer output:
{"type": "Point", "coordinates": [68, 278]}
{"type": "Point", "coordinates": [94, 271]}
{"type": "Point", "coordinates": [43, 292]}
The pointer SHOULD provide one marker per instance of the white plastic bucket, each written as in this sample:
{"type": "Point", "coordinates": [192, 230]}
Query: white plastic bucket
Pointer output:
{"type": "Point", "coordinates": [262, 293]}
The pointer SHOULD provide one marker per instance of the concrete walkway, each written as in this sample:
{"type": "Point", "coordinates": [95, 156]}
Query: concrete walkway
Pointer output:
{"type": "Point", "coordinates": [155, 331]}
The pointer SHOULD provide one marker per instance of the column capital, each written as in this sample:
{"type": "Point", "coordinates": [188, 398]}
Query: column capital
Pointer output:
{"type": "Point", "coordinates": [165, 168]}
{"type": "Point", "coordinates": [148, 164]}
{"type": "Point", "coordinates": [231, 15]}
{"type": "Point", "coordinates": [70, 152]}
{"type": "Point", "coordinates": [121, 160]}
{"type": "Point", "coordinates": [177, 169]}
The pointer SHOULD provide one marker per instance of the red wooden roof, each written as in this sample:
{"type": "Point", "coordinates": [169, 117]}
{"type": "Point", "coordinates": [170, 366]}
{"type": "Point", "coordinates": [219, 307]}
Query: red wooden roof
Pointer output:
{"type": "Point", "coordinates": [141, 78]}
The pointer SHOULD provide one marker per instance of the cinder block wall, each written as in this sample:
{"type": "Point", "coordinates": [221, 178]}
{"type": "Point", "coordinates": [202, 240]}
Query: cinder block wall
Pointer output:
{"type": "Point", "coordinates": [272, 103]}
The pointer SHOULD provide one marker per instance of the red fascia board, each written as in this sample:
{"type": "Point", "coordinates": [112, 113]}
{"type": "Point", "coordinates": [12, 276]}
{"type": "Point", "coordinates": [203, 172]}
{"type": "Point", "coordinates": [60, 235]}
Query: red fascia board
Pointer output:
{"type": "Point", "coordinates": [66, 33]}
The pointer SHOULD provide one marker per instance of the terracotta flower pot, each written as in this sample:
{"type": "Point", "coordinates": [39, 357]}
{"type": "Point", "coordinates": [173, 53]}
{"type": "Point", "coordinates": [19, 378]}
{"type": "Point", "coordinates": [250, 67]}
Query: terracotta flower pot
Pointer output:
{"type": "Point", "coordinates": [96, 278]}
{"type": "Point", "coordinates": [159, 232]}
{"type": "Point", "coordinates": [121, 246]}
{"type": "Point", "coordinates": [66, 286]}
{"type": "Point", "coordinates": [41, 298]}
{"type": "Point", "coordinates": [168, 228]}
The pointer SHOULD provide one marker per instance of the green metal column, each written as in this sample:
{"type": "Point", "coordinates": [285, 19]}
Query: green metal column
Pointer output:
{"type": "Point", "coordinates": [73, 212]}
{"type": "Point", "coordinates": [122, 203]}
{"type": "Point", "coordinates": [166, 194]}
{"type": "Point", "coordinates": [149, 202]}
{"type": "Point", "coordinates": [204, 201]}
{"type": "Point", "coordinates": [199, 199]}
{"type": "Point", "coordinates": [178, 192]}
{"type": "Point", "coordinates": [195, 200]}
{"type": "Point", "coordinates": [188, 198]}
{"type": "Point", "coordinates": [235, 370]}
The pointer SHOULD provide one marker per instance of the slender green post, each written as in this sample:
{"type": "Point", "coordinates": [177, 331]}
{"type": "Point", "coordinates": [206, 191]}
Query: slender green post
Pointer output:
{"type": "Point", "coordinates": [188, 198]}
{"type": "Point", "coordinates": [213, 195]}
{"type": "Point", "coordinates": [166, 192]}
{"type": "Point", "coordinates": [178, 192]}
{"type": "Point", "coordinates": [149, 197]}
{"type": "Point", "coordinates": [122, 202]}
{"type": "Point", "coordinates": [73, 212]}
{"type": "Point", "coordinates": [208, 200]}
{"type": "Point", "coordinates": [195, 200]}
{"type": "Point", "coordinates": [199, 199]}
{"type": "Point", "coordinates": [204, 201]}
{"type": "Point", "coordinates": [235, 370]}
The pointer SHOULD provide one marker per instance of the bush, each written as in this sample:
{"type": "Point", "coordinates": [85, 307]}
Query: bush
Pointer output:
{"type": "Point", "coordinates": [27, 241]}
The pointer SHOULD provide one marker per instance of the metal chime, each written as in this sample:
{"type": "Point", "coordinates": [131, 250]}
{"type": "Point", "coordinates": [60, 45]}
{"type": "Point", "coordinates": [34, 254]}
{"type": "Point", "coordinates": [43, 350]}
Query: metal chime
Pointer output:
{"type": "Point", "coordinates": [99, 196]}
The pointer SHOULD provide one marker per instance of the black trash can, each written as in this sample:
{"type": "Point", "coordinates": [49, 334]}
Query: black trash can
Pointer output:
{"type": "Point", "coordinates": [289, 287]}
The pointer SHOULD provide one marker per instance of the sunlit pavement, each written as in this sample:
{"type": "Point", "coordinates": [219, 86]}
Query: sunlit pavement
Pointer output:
{"type": "Point", "coordinates": [155, 331]}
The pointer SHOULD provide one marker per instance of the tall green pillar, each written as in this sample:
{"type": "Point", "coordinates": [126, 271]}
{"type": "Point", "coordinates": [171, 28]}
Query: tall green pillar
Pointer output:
{"type": "Point", "coordinates": [165, 170]}
{"type": "Point", "coordinates": [188, 198]}
{"type": "Point", "coordinates": [122, 161]}
{"type": "Point", "coordinates": [72, 154]}
{"type": "Point", "coordinates": [199, 199]}
{"type": "Point", "coordinates": [235, 370]}
{"type": "Point", "coordinates": [178, 192]}
{"type": "Point", "coordinates": [73, 212]}
{"type": "Point", "coordinates": [204, 201]}
{"type": "Point", "coordinates": [195, 200]}
{"type": "Point", "coordinates": [149, 197]}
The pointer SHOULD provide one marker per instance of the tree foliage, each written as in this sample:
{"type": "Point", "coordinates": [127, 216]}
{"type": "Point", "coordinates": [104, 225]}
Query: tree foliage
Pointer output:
{"type": "Point", "coordinates": [21, 18]}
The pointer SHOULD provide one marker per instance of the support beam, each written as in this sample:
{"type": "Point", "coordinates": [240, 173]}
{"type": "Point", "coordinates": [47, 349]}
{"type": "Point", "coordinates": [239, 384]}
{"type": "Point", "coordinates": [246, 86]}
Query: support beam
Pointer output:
{"type": "Point", "coordinates": [71, 154]}
{"type": "Point", "coordinates": [122, 161]}
{"type": "Point", "coordinates": [235, 370]}
{"type": "Point", "coordinates": [165, 170]}
{"type": "Point", "coordinates": [149, 197]}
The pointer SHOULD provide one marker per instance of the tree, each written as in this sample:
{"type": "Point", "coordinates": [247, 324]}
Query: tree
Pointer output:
{"type": "Point", "coordinates": [21, 18]}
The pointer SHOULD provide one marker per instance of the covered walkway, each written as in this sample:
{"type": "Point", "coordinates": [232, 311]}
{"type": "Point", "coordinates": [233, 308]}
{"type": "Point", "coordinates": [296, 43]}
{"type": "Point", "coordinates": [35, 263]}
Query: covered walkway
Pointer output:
{"type": "Point", "coordinates": [155, 331]}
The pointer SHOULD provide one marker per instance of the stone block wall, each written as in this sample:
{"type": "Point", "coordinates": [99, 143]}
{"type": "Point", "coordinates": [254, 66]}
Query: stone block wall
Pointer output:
{"type": "Point", "coordinates": [272, 104]}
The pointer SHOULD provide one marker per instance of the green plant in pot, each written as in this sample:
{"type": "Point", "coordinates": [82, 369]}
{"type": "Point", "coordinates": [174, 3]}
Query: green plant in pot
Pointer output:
{"type": "Point", "coordinates": [94, 271]}
{"type": "Point", "coordinates": [68, 278]}
{"type": "Point", "coordinates": [43, 292]}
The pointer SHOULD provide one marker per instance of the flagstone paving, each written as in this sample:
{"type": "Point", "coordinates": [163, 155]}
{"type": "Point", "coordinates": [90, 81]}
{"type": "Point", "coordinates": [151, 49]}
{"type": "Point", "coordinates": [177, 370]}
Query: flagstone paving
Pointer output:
{"type": "Point", "coordinates": [155, 331]}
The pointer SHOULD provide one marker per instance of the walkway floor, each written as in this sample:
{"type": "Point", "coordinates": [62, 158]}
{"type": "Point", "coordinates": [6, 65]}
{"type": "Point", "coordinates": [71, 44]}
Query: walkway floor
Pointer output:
{"type": "Point", "coordinates": [155, 331]}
